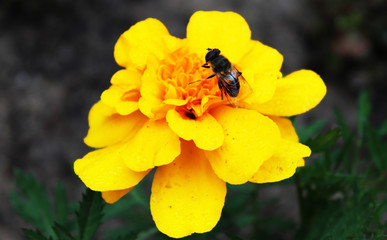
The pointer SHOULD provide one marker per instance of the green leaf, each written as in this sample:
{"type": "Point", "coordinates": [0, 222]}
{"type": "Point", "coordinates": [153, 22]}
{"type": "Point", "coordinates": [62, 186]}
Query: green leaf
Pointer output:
{"type": "Point", "coordinates": [34, 235]}
{"type": "Point", "coordinates": [344, 127]}
{"type": "Point", "coordinates": [32, 204]}
{"type": "Point", "coordinates": [344, 220]}
{"type": "Point", "coordinates": [89, 214]}
{"type": "Point", "coordinates": [62, 233]}
{"type": "Point", "coordinates": [376, 147]}
{"type": "Point", "coordinates": [324, 142]}
{"type": "Point", "coordinates": [346, 150]}
{"type": "Point", "coordinates": [61, 206]}
{"type": "Point", "coordinates": [306, 132]}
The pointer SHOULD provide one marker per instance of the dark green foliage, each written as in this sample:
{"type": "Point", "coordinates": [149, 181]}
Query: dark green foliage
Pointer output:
{"type": "Point", "coordinates": [324, 141]}
{"type": "Point", "coordinates": [308, 132]}
{"type": "Point", "coordinates": [62, 233]}
{"type": "Point", "coordinates": [61, 206]}
{"type": "Point", "coordinates": [342, 193]}
{"type": "Point", "coordinates": [89, 214]}
{"type": "Point", "coordinates": [32, 204]}
{"type": "Point", "coordinates": [53, 223]}
{"type": "Point", "coordinates": [34, 235]}
{"type": "Point", "coordinates": [363, 116]}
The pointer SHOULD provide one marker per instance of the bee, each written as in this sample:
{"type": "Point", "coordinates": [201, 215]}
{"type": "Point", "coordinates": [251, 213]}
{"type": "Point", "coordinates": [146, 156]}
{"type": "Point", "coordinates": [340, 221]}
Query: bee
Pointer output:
{"type": "Point", "coordinates": [229, 78]}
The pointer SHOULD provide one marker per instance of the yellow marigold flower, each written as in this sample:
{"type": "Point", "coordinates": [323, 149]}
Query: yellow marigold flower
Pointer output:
{"type": "Point", "coordinates": [152, 117]}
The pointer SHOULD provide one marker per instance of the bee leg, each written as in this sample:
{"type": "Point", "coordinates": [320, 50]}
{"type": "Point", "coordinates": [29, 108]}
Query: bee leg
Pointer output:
{"type": "Point", "coordinates": [205, 65]}
{"type": "Point", "coordinates": [220, 88]}
{"type": "Point", "coordinates": [213, 75]}
{"type": "Point", "coordinates": [239, 73]}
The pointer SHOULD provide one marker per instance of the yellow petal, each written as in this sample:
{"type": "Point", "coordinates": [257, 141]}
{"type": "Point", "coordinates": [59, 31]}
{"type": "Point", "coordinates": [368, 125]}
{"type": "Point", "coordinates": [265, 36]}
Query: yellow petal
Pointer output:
{"type": "Point", "coordinates": [136, 44]}
{"type": "Point", "coordinates": [176, 102]}
{"type": "Point", "coordinates": [152, 96]}
{"type": "Point", "coordinates": [249, 139]}
{"type": "Point", "coordinates": [112, 95]}
{"type": "Point", "coordinates": [205, 131]}
{"type": "Point", "coordinates": [173, 43]}
{"type": "Point", "coordinates": [286, 128]}
{"type": "Point", "coordinates": [108, 127]}
{"type": "Point", "coordinates": [123, 98]}
{"type": "Point", "coordinates": [288, 133]}
{"type": "Point", "coordinates": [301, 163]}
{"type": "Point", "coordinates": [114, 196]}
{"type": "Point", "coordinates": [128, 77]}
{"type": "Point", "coordinates": [261, 68]}
{"type": "Point", "coordinates": [187, 196]}
{"type": "Point", "coordinates": [263, 86]}
{"type": "Point", "coordinates": [124, 93]}
{"type": "Point", "coordinates": [260, 59]}
{"type": "Point", "coordinates": [227, 31]}
{"type": "Point", "coordinates": [295, 94]}
{"type": "Point", "coordinates": [104, 170]}
{"type": "Point", "coordinates": [283, 163]}
{"type": "Point", "coordinates": [126, 107]}
{"type": "Point", "coordinates": [155, 144]}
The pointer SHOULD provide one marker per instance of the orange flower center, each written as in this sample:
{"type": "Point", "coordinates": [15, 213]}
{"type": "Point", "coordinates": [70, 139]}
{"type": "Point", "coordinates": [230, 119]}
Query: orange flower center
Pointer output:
{"type": "Point", "coordinates": [178, 73]}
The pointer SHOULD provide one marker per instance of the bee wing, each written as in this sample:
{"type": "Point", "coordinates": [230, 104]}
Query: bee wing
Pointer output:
{"type": "Point", "coordinates": [225, 90]}
{"type": "Point", "coordinates": [245, 88]}
{"type": "Point", "coordinates": [232, 100]}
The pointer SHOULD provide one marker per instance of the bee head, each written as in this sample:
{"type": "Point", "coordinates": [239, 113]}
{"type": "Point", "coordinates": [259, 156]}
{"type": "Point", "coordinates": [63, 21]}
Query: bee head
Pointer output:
{"type": "Point", "coordinates": [212, 54]}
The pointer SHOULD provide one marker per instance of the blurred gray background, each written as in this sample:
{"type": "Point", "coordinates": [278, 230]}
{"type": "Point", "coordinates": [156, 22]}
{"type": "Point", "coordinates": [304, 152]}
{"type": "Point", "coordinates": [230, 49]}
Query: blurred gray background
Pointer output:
{"type": "Point", "coordinates": [56, 58]}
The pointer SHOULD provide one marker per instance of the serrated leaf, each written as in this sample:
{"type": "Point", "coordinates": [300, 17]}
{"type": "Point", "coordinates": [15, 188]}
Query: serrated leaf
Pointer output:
{"type": "Point", "coordinates": [324, 142]}
{"type": "Point", "coordinates": [32, 204]}
{"type": "Point", "coordinates": [89, 215]}
{"type": "Point", "coordinates": [34, 235]}
{"type": "Point", "coordinates": [61, 206]}
{"type": "Point", "coordinates": [62, 233]}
